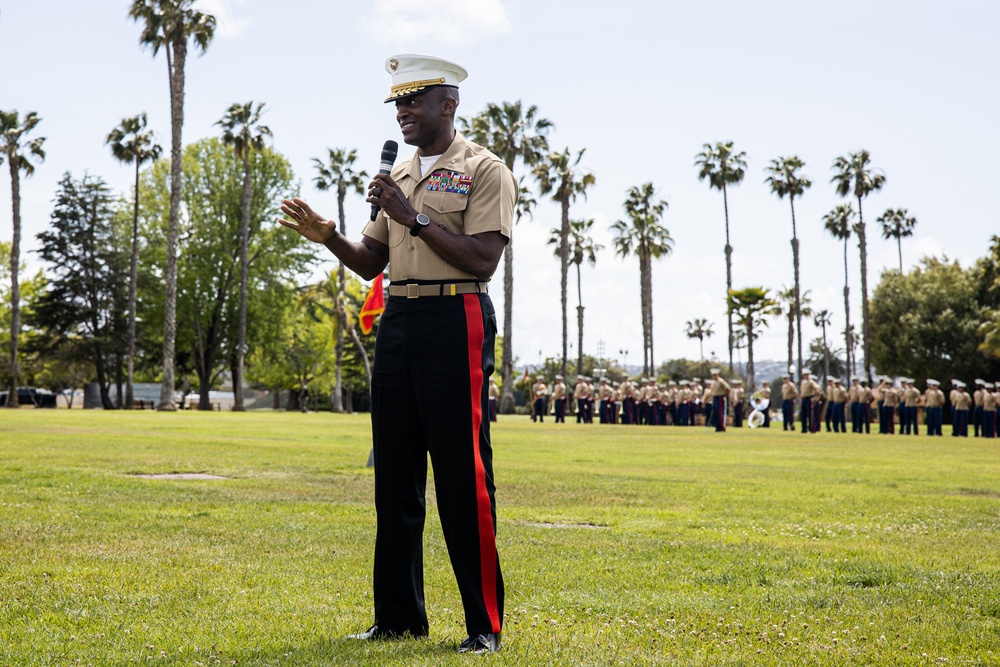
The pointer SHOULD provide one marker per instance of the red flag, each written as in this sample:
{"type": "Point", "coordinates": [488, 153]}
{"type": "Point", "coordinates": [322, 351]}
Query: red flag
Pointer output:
{"type": "Point", "coordinates": [373, 306]}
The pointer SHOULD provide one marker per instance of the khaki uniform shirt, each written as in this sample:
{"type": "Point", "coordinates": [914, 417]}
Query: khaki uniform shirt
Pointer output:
{"type": "Point", "coordinates": [580, 391]}
{"type": "Point", "coordinates": [559, 389]}
{"type": "Point", "coordinates": [788, 391]}
{"type": "Point", "coordinates": [977, 398]}
{"type": "Point", "coordinates": [605, 392]}
{"type": "Point", "coordinates": [890, 397]}
{"type": "Point", "coordinates": [538, 389]}
{"type": "Point", "coordinates": [933, 398]}
{"type": "Point", "coordinates": [854, 393]}
{"type": "Point", "coordinates": [989, 400]}
{"type": "Point", "coordinates": [810, 388]}
{"type": "Point", "coordinates": [720, 387]}
{"type": "Point", "coordinates": [467, 191]}
{"type": "Point", "coordinates": [911, 397]}
{"type": "Point", "coordinates": [962, 401]}
{"type": "Point", "coordinates": [839, 395]}
{"type": "Point", "coordinates": [494, 390]}
{"type": "Point", "coordinates": [866, 396]}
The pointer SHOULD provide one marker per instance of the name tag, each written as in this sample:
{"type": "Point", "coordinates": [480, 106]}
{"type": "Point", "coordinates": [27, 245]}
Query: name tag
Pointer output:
{"type": "Point", "coordinates": [450, 181]}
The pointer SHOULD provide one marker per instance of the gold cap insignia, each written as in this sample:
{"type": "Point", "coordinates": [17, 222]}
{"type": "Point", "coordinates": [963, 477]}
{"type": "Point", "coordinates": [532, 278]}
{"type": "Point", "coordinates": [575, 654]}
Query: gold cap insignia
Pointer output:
{"type": "Point", "coordinates": [393, 64]}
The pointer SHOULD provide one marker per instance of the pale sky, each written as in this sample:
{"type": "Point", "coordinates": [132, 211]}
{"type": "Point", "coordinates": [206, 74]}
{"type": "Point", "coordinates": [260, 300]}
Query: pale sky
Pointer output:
{"type": "Point", "coordinates": [641, 85]}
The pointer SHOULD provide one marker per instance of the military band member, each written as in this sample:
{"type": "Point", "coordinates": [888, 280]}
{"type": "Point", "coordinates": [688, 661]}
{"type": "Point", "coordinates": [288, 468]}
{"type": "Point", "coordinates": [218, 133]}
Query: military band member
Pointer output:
{"type": "Point", "coordinates": [789, 393]}
{"type": "Point", "coordinates": [911, 400]}
{"type": "Point", "coordinates": [580, 396]}
{"type": "Point", "coordinates": [890, 397]}
{"type": "Point", "coordinates": [865, 407]}
{"type": "Point", "coordinates": [838, 405]}
{"type": "Point", "coordinates": [736, 395]}
{"type": "Point", "coordinates": [538, 391]}
{"type": "Point", "coordinates": [765, 393]}
{"type": "Point", "coordinates": [672, 401]}
{"type": "Point", "coordinates": [627, 392]}
{"type": "Point", "coordinates": [604, 394]}
{"type": "Point", "coordinates": [559, 399]}
{"type": "Point", "coordinates": [828, 404]}
{"type": "Point", "coordinates": [989, 411]}
{"type": "Point", "coordinates": [977, 406]}
{"type": "Point", "coordinates": [854, 402]}
{"type": "Point", "coordinates": [719, 391]}
{"type": "Point", "coordinates": [878, 395]}
{"type": "Point", "coordinates": [683, 398]}
{"type": "Point", "coordinates": [809, 411]}
{"type": "Point", "coordinates": [933, 404]}
{"type": "Point", "coordinates": [494, 397]}
{"type": "Point", "coordinates": [960, 405]}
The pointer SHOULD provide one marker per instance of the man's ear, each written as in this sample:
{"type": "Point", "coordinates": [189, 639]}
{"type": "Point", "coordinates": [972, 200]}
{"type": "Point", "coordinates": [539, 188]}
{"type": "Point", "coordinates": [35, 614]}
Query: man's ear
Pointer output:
{"type": "Point", "coordinates": [448, 106]}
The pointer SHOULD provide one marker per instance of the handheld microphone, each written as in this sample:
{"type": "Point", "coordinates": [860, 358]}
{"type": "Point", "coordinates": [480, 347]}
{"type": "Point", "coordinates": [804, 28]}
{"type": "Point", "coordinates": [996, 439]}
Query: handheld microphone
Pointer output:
{"type": "Point", "coordinates": [389, 151]}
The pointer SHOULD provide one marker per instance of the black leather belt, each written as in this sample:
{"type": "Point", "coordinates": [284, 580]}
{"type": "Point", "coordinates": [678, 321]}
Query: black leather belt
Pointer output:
{"type": "Point", "coordinates": [417, 290]}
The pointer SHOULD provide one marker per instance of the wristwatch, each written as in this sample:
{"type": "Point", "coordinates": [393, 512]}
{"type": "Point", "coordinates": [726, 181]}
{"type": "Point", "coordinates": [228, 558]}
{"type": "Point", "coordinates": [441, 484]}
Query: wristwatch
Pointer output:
{"type": "Point", "coordinates": [422, 221]}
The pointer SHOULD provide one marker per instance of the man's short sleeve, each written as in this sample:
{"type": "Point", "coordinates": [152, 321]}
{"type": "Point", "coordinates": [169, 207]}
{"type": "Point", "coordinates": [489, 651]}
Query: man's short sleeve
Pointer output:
{"type": "Point", "coordinates": [378, 229]}
{"type": "Point", "coordinates": [492, 200]}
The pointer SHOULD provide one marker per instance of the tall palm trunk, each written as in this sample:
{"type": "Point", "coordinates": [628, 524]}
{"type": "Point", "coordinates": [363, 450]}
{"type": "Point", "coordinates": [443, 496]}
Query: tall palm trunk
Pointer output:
{"type": "Point", "coordinates": [729, 276]}
{"type": "Point", "coordinates": [751, 384]}
{"type": "Point", "coordinates": [865, 321]}
{"type": "Point", "coordinates": [15, 288]}
{"type": "Point", "coordinates": [849, 347]}
{"type": "Point", "coordinates": [791, 336]}
{"type": "Point", "coordinates": [133, 281]}
{"type": "Point", "coordinates": [507, 362]}
{"type": "Point", "coordinates": [337, 403]}
{"type": "Point", "coordinates": [579, 320]}
{"type": "Point", "coordinates": [241, 344]}
{"type": "Point", "coordinates": [899, 248]}
{"type": "Point", "coordinates": [646, 292]}
{"type": "Point", "coordinates": [564, 276]}
{"type": "Point", "coordinates": [826, 354]}
{"type": "Point", "coordinates": [798, 294]}
{"type": "Point", "coordinates": [175, 68]}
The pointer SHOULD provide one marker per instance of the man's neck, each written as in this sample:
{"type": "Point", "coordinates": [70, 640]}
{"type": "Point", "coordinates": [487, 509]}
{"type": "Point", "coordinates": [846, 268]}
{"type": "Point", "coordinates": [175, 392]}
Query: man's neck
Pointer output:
{"type": "Point", "coordinates": [439, 145]}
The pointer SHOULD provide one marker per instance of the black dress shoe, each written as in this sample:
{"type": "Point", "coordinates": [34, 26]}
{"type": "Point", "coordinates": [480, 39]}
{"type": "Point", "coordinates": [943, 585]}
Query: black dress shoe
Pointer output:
{"type": "Point", "coordinates": [484, 643]}
{"type": "Point", "coordinates": [375, 634]}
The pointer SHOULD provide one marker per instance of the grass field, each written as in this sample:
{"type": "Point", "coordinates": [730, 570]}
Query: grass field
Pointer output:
{"type": "Point", "coordinates": [620, 545]}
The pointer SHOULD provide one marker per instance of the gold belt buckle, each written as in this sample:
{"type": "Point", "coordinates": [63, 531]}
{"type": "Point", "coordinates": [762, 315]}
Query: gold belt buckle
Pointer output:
{"type": "Point", "coordinates": [412, 291]}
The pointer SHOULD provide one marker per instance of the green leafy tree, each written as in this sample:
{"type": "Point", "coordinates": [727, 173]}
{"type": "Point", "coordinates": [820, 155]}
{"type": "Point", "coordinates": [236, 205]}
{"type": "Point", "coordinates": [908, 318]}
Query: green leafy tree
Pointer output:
{"type": "Point", "coordinates": [168, 25]}
{"type": "Point", "coordinates": [338, 174]}
{"type": "Point", "coordinates": [208, 279]}
{"type": "Point", "coordinates": [19, 152]}
{"type": "Point", "coordinates": [514, 132]}
{"type": "Point", "coordinates": [560, 176]}
{"type": "Point", "coordinates": [855, 177]}
{"type": "Point", "coordinates": [700, 329]}
{"type": "Point", "coordinates": [829, 358]}
{"type": "Point", "coordinates": [582, 247]}
{"type": "Point", "coordinates": [784, 179]}
{"type": "Point", "coordinates": [751, 308]}
{"type": "Point", "coordinates": [85, 301]}
{"type": "Point", "coordinates": [897, 224]}
{"type": "Point", "coordinates": [242, 129]}
{"type": "Point", "coordinates": [840, 222]}
{"type": "Point", "coordinates": [644, 236]}
{"type": "Point", "coordinates": [927, 323]}
{"type": "Point", "coordinates": [131, 144]}
{"type": "Point", "coordinates": [722, 166]}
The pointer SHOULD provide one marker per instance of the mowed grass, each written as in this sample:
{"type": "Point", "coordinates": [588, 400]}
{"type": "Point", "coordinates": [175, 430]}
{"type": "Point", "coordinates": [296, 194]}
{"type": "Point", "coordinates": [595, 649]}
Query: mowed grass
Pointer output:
{"type": "Point", "coordinates": [620, 545]}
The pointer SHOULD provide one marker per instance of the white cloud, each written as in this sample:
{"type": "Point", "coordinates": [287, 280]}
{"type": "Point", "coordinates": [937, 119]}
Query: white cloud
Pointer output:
{"type": "Point", "coordinates": [402, 22]}
{"type": "Point", "coordinates": [227, 24]}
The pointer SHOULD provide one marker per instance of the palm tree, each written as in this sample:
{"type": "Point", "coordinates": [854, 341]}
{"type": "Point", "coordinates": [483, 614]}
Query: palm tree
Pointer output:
{"type": "Point", "coordinates": [338, 174]}
{"type": "Point", "coordinates": [168, 24]}
{"type": "Point", "coordinates": [784, 180]}
{"type": "Point", "coordinates": [839, 222]}
{"type": "Point", "coordinates": [854, 176]}
{"type": "Point", "coordinates": [721, 166]}
{"type": "Point", "coordinates": [130, 144]}
{"type": "Point", "coordinates": [241, 129]}
{"type": "Point", "coordinates": [560, 176]}
{"type": "Point", "coordinates": [700, 329]}
{"type": "Point", "coordinates": [896, 223]}
{"type": "Point", "coordinates": [751, 307]}
{"type": "Point", "coordinates": [582, 246]}
{"type": "Point", "coordinates": [645, 236]}
{"type": "Point", "coordinates": [821, 319]}
{"type": "Point", "coordinates": [19, 153]}
{"type": "Point", "coordinates": [512, 132]}
{"type": "Point", "coordinates": [796, 306]}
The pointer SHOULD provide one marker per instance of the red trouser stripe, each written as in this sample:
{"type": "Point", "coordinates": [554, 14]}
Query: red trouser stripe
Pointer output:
{"type": "Point", "coordinates": [487, 536]}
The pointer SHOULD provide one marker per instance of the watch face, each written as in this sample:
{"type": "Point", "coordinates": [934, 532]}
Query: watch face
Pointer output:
{"type": "Point", "coordinates": [423, 219]}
